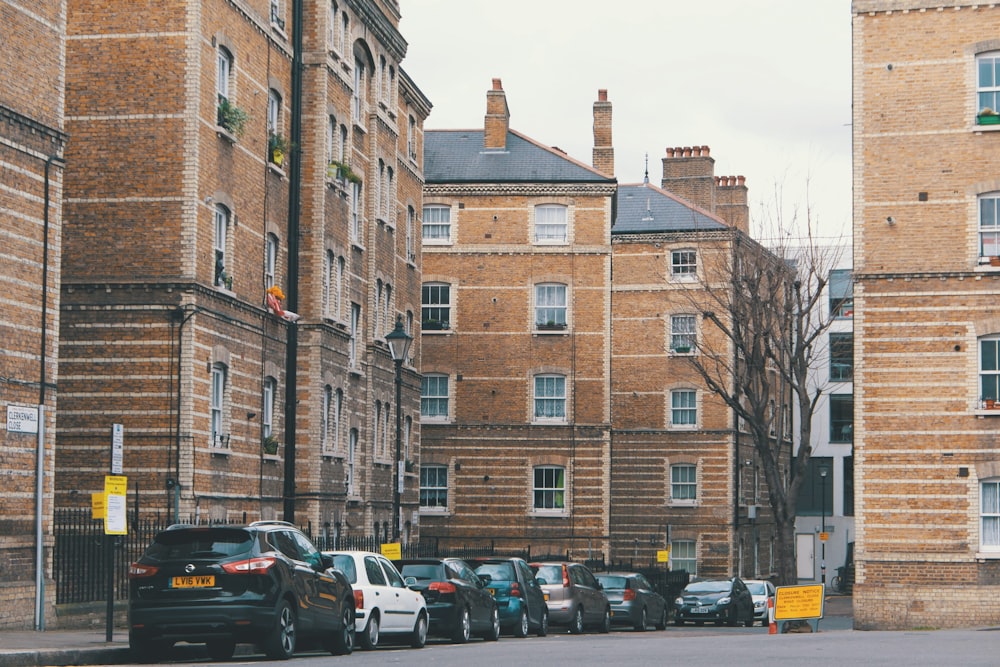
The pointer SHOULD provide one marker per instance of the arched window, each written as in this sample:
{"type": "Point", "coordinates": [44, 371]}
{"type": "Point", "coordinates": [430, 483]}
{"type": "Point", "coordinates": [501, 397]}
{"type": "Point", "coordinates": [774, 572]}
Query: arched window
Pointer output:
{"type": "Point", "coordinates": [219, 436]}
{"type": "Point", "coordinates": [550, 223]}
{"type": "Point", "coordinates": [270, 260]}
{"type": "Point", "coordinates": [220, 243]}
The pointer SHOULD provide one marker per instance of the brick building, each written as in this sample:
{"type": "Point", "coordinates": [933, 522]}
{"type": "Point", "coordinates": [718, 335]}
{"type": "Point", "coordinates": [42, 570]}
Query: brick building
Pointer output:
{"type": "Point", "coordinates": [925, 229]}
{"type": "Point", "coordinates": [181, 217]}
{"type": "Point", "coordinates": [32, 142]}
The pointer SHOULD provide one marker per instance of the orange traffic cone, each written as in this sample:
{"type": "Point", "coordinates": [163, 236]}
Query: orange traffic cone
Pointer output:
{"type": "Point", "coordinates": [772, 627]}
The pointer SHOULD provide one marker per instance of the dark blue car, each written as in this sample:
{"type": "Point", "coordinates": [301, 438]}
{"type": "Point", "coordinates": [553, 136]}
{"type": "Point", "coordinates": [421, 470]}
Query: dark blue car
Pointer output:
{"type": "Point", "coordinates": [519, 597]}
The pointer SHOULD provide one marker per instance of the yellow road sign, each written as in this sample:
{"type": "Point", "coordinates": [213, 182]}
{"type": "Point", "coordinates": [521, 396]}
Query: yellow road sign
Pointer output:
{"type": "Point", "coordinates": [795, 602]}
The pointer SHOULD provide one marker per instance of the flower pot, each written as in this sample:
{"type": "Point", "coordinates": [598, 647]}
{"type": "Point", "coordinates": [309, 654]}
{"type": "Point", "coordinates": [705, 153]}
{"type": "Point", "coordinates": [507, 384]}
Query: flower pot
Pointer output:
{"type": "Point", "coordinates": [277, 156]}
{"type": "Point", "coordinates": [991, 119]}
{"type": "Point", "coordinates": [991, 404]}
{"type": "Point", "coordinates": [994, 261]}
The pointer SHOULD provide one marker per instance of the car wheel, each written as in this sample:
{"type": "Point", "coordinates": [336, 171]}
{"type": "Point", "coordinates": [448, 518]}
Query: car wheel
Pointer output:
{"type": "Point", "coordinates": [605, 626]}
{"type": "Point", "coordinates": [463, 628]}
{"type": "Point", "coordinates": [342, 642]}
{"type": "Point", "coordinates": [661, 623]}
{"type": "Point", "coordinates": [419, 636]}
{"type": "Point", "coordinates": [543, 626]}
{"type": "Point", "coordinates": [678, 620]}
{"type": "Point", "coordinates": [576, 625]}
{"type": "Point", "coordinates": [221, 649]}
{"type": "Point", "coordinates": [280, 641]}
{"type": "Point", "coordinates": [146, 650]}
{"type": "Point", "coordinates": [369, 638]}
{"type": "Point", "coordinates": [494, 632]}
{"type": "Point", "coordinates": [641, 623]}
{"type": "Point", "coordinates": [521, 629]}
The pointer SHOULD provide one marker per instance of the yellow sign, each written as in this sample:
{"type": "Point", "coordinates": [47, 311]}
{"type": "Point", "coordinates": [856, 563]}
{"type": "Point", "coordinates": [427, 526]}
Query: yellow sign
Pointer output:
{"type": "Point", "coordinates": [116, 485]}
{"type": "Point", "coordinates": [115, 490]}
{"type": "Point", "coordinates": [393, 551]}
{"type": "Point", "coordinates": [823, 537]}
{"type": "Point", "coordinates": [795, 602]}
{"type": "Point", "coordinates": [663, 556]}
{"type": "Point", "coordinates": [98, 506]}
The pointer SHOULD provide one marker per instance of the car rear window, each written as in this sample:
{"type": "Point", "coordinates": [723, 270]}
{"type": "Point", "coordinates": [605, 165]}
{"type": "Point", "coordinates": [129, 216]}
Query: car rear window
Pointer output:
{"type": "Point", "coordinates": [552, 574]}
{"type": "Point", "coordinates": [756, 587]}
{"type": "Point", "coordinates": [497, 571]}
{"type": "Point", "coordinates": [423, 571]}
{"type": "Point", "coordinates": [345, 564]}
{"type": "Point", "coordinates": [215, 542]}
{"type": "Point", "coordinates": [613, 582]}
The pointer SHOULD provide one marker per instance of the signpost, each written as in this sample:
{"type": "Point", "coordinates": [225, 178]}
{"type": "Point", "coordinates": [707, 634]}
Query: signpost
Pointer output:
{"type": "Point", "coordinates": [22, 419]}
{"type": "Point", "coordinates": [799, 603]}
{"type": "Point", "coordinates": [115, 515]}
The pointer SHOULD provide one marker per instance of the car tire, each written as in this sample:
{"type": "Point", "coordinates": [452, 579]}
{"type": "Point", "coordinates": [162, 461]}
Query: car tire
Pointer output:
{"type": "Point", "coordinates": [220, 649]}
{"type": "Point", "coordinates": [576, 625]}
{"type": "Point", "coordinates": [678, 620]}
{"type": "Point", "coordinates": [279, 644]}
{"type": "Point", "coordinates": [493, 634]}
{"type": "Point", "coordinates": [640, 625]}
{"type": "Point", "coordinates": [463, 628]}
{"type": "Point", "coordinates": [521, 629]}
{"type": "Point", "coordinates": [605, 626]}
{"type": "Point", "coordinates": [147, 650]}
{"type": "Point", "coordinates": [543, 625]}
{"type": "Point", "coordinates": [418, 638]}
{"type": "Point", "coordinates": [661, 623]}
{"type": "Point", "coordinates": [369, 638]}
{"type": "Point", "coordinates": [342, 642]}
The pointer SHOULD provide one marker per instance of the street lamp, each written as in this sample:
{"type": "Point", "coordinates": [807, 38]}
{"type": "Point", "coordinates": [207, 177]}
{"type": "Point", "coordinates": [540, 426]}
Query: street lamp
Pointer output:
{"type": "Point", "coordinates": [399, 344]}
{"type": "Point", "coordinates": [823, 471]}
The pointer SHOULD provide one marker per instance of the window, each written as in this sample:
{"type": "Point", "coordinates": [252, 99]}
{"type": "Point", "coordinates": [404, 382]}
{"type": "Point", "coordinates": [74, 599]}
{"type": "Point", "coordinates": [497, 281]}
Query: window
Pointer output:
{"type": "Point", "coordinates": [411, 138]}
{"type": "Point", "coordinates": [683, 556]}
{"type": "Point", "coordinates": [550, 398]}
{"type": "Point", "coordinates": [550, 306]}
{"type": "Point", "coordinates": [989, 515]}
{"type": "Point", "coordinates": [841, 357]}
{"type": "Point", "coordinates": [841, 294]}
{"type": "Point", "coordinates": [683, 408]}
{"type": "Point", "coordinates": [683, 264]}
{"type": "Point", "coordinates": [276, 18]}
{"type": "Point", "coordinates": [683, 333]}
{"type": "Point", "coordinates": [988, 82]}
{"type": "Point", "coordinates": [435, 311]}
{"type": "Point", "coordinates": [338, 292]}
{"type": "Point", "coordinates": [224, 72]}
{"type": "Point", "coordinates": [356, 236]}
{"type": "Point", "coordinates": [324, 419]}
{"type": "Point", "coordinates": [328, 278]}
{"type": "Point", "coordinates": [388, 186]}
{"type": "Point", "coordinates": [989, 368]}
{"type": "Point", "coordinates": [411, 215]}
{"type": "Point", "coordinates": [407, 435]}
{"type": "Point", "coordinates": [378, 192]}
{"type": "Point", "coordinates": [358, 94]}
{"type": "Point", "coordinates": [268, 400]}
{"type": "Point", "coordinates": [273, 112]}
{"type": "Point", "coordinates": [219, 437]}
{"type": "Point", "coordinates": [989, 225]}
{"type": "Point", "coordinates": [345, 32]}
{"type": "Point", "coordinates": [437, 224]}
{"type": "Point", "coordinates": [549, 488]}
{"type": "Point", "coordinates": [683, 482]}
{"type": "Point", "coordinates": [377, 431]}
{"type": "Point", "coordinates": [331, 141]}
{"type": "Point", "coordinates": [433, 487]}
{"type": "Point", "coordinates": [355, 331]}
{"type": "Point", "coordinates": [338, 414]}
{"type": "Point", "coordinates": [841, 418]}
{"type": "Point", "coordinates": [550, 224]}
{"type": "Point", "coordinates": [352, 455]}
{"type": "Point", "coordinates": [331, 27]}
{"type": "Point", "coordinates": [816, 492]}
{"type": "Point", "coordinates": [434, 397]}
{"type": "Point", "coordinates": [270, 259]}
{"type": "Point", "coordinates": [221, 239]}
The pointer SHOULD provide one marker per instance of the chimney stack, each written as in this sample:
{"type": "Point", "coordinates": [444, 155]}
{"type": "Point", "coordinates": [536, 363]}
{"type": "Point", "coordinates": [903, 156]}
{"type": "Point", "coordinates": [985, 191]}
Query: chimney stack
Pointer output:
{"type": "Point", "coordinates": [689, 173]}
{"type": "Point", "coordinates": [497, 118]}
{"type": "Point", "coordinates": [604, 151]}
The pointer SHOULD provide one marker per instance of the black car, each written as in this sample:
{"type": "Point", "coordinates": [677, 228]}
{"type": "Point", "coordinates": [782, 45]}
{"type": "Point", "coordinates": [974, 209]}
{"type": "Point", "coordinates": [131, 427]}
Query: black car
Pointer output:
{"type": "Point", "coordinates": [264, 583]}
{"type": "Point", "coordinates": [722, 600]}
{"type": "Point", "coordinates": [458, 602]}
{"type": "Point", "coordinates": [633, 600]}
{"type": "Point", "coordinates": [519, 597]}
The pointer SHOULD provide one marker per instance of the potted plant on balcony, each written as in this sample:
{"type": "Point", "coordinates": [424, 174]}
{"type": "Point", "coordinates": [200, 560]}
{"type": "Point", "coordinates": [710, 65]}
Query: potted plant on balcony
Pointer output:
{"type": "Point", "coordinates": [231, 118]}
{"type": "Point", "coordinates": [434, 325]}
{"type": "Point", "coordinates": [682, 349]}
{"type": "Point", "coordinates": [988, 116]}
{"type": "Point", "coordinates": [342, 171]}
{"type": "Point", "coordinates": [550, 325]}
{"type": "Point", "coordinates": [277, 148]}
{"type": "Point", "coordinates": [270, 445]}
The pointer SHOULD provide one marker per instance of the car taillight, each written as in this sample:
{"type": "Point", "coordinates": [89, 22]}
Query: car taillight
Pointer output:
{"type": "Point", "coordinates": [565, 577]}
{"type": "Point", "coordinates": [442, 587]}
{"type": "Point", "coordinates": [359, 599]}
{"type": "Point", "coordinates": [515, 590]}
{"type": "Point", "coordinates": [250, 566]}
{"type": "Point", "coordinates": [629, 595]}
{"type": "Point", "coordinates": [137, 571]}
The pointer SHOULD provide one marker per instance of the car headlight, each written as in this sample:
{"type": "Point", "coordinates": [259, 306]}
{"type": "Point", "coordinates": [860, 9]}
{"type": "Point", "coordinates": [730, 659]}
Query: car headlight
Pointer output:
{"type": "Point", "coordinates": [679, 602]}
{"type": "Point", "coordinates": [723, 601]}
{"type": "Point", "coordinates": [758, 605]}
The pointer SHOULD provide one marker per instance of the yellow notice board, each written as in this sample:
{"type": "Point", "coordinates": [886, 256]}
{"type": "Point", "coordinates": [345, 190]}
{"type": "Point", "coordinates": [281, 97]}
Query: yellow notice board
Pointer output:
{"type": "Point", "coordinates": [393, 551]}
{"type": "Point", "coordinates": [663, 555]}
{"type": "Point", "coordinates": [795, 602]}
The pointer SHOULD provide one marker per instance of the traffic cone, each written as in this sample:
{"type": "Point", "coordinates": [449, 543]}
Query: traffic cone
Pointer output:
{"type": "Point", "coordinates": [772, 627]}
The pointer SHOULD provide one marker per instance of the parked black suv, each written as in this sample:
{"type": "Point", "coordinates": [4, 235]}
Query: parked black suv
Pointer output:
{"type": "Point", "coordinates": [264, 583]}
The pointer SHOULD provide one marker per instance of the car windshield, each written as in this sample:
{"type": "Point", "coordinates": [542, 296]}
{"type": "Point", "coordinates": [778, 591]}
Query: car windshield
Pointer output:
{"type": "Point", "coordinates": [552, 574]}
{"type": "Point", "coordinates": [423, 571]}
{"type": "Point", "coordinates": [613, 583]}
{"type": "Point", "coordinates": [200, 543]}
{"type": "Point", "coordinates": [756, 587]}
{"type": "Point", "coordinates": [345, 564]}
{"type": "Point", "coordinates": [497, 571]}
{"type": "Point", "coordinates": [708, 587]}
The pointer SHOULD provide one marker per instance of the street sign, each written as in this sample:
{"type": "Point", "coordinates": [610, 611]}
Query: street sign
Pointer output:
{"type": "Point", "coordinates": [22, 419]}
{"type": "Point", "coordinates": [115, 488]}
{"type": "Point", "coordinates": [823, 537]}
{"type": "Point", "coordinates": [117, 448]}
{"type": "Point", "coordinates": [392, 551]}
{"type": "Point", "coordinates": [798, 602]}
{"type": "Point", "coordinates": [663, 556]}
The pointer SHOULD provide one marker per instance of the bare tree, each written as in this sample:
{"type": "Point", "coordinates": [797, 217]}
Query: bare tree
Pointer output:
{"type": "Point", "coordinates": [772, 324]}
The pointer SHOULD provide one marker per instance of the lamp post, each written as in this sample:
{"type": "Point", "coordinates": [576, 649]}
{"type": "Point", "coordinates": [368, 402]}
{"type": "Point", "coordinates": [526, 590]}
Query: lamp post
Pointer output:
{"type": "Point", "coordinates": [399, 344]}
{"type": "Point", "coordinates": [823, 471]}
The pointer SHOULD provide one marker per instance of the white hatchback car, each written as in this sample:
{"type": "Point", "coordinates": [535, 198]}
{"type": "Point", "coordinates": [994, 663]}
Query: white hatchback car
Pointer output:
{"type": "Point", "coordinates": [384, 605]}
{"type": "Point", "coordinates": [761, 590]}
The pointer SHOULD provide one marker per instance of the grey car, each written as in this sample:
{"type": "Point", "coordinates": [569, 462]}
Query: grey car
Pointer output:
{"type": "Point", "coordinates": [574, 596]}
{"type": "Point", "coordinates": [633, 600]}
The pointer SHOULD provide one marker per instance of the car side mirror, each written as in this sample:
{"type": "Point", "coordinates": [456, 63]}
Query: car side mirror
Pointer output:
{"type": "Point", "coordinates": [484, 580]}
{"type": "Point", "coordinates": [410, 582]}
{"type": "Point", "coordinates": [540, 581]}
{"type": "Point", "coordinates": [326, 562]}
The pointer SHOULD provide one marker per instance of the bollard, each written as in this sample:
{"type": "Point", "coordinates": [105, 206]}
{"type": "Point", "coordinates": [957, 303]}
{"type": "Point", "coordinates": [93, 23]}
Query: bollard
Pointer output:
{"type": "Point", "coordinates": [772, 627]}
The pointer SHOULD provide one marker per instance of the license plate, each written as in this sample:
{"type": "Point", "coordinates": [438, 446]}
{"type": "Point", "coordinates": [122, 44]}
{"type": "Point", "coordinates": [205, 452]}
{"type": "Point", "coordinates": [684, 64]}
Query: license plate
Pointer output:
{"type": "Point", "coordinates": [202, 581]}
{"type": "Point", "coordinates": [699, 610]}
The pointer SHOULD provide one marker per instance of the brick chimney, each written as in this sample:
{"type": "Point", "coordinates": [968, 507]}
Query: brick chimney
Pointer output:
{"type": "Point", "coordinates": [604, 151]}
{"type": "Point", "coordinates": [689, 173]}
{"type": "Point", "coordinates": [497, 118]}
{"type": "Point", "coordinates": [731, 201]}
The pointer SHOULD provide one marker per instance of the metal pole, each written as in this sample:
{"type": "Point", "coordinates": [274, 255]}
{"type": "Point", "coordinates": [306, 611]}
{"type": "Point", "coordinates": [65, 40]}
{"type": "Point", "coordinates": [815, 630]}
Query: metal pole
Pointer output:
{"type": "Point", "coordinates": [398, 481]}
{"type": "Point", "coordinates": [822, 542]}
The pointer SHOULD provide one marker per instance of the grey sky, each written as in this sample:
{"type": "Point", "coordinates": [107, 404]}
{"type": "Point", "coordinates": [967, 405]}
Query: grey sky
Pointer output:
{"type": "Point", "coordinates": [766, 84]}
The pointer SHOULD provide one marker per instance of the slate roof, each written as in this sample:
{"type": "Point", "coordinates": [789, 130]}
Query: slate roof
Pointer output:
{"type": "Point", "coordinates": [458, 156]}
{"type": "Point", "coordinates": [646, 209]}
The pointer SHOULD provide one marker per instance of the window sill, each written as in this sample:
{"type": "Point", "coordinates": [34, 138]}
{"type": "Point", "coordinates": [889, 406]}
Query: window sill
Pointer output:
{"type": "Point", "coordinates": [547, 331]}
{"type": "Point", "coordinates": [330, 456]}
{"type": "Point", "coordinates": [435, 511]}
{"type": "Point", "coordinates": [436, 332]}
{"type": "Point", "coordinates": [983, 412]}
{"type": "Point", "coordinates": [226, 134]}
{"type": "Point", "coordinates": [273, 458]}
{"type": "Point", "coordinates": [219, 451]}
{"type": "Point", "coordinates": [682, 503]}
{"type": "Point", "coordinates": [986, 267]}
{"type": "Point", "coordinates": [275, 169]}
{"type": "Point", "coordinates": [435, 243]}
{"type": "Point", "coordinates": [548, 514]}
{"type": "Point", "coordinates": [988, 555]}
{"type": "Point", "coordinates": [992, 127]}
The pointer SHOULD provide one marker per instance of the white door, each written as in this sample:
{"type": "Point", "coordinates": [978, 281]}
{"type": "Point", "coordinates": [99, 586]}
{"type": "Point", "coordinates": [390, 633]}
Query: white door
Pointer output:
{"type": "Point", "coordinates": [805, 555]}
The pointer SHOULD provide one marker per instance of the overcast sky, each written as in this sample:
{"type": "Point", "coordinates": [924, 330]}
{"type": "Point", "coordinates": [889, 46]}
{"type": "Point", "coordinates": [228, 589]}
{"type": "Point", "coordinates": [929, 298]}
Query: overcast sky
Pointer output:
{"type": "Point", "coordinates": [766, 84]}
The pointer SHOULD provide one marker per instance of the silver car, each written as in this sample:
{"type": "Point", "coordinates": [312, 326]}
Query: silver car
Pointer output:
{"type": "Point", "coordinates": [574, 596]}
